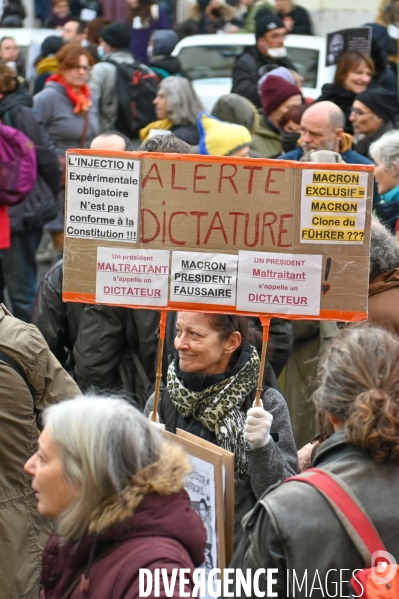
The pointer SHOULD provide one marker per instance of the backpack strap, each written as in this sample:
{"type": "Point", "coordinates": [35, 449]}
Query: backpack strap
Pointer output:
{"type": "Point", "coordinates": [347, 508]}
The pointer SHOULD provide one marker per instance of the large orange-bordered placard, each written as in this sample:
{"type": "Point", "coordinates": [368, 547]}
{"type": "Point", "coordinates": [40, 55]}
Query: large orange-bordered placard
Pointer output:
{"type": "Point", "coordinates": [205, 233]}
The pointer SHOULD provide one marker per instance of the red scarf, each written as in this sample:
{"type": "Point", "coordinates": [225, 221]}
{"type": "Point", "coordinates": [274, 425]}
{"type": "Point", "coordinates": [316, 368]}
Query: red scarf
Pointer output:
{"type": "Point", "coordinates": [80, 100]}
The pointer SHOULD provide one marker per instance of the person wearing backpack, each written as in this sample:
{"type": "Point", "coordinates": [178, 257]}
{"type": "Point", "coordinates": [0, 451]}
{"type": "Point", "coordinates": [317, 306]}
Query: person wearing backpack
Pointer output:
{"type": "Point", "coordinates": [113, 49]}
{"type": "Point", "coordinates": [39, 206]}
{"type": "Point", "coordinates": [309, 525]}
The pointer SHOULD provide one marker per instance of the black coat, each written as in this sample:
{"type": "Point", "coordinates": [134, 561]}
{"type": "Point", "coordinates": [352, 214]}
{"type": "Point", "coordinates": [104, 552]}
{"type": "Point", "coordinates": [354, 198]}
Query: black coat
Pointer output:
{"type": "Point", "coordinates": [341, 97]}
{"type": "Point", "coordinates": [294, 528]}
{"type": "Point", "coordinates": [40, 205]}
{"type": "Point", "coordinates": [187, 133]}
{"type": "Point", "coordinates": [246, 73]}
{"type": "Point", "coordinates": [302, 22]}
{"type": "Point", "coordinates": [116, 350]}
{"type": "Point", "coordinates": [164, 66]}
{"type": "Point", "coordinates": [57, 321]}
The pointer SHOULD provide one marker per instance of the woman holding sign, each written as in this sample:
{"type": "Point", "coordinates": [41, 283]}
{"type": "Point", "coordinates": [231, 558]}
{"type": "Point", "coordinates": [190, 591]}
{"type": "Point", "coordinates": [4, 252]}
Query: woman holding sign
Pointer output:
{"type": "Point", "coordinates": [211, 388]}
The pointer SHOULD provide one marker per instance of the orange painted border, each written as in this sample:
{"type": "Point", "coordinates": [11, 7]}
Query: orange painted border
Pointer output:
{"type": "Point", "coordinates": [345, 316]}
{"type": "Point", "coordinates": [267, 162]}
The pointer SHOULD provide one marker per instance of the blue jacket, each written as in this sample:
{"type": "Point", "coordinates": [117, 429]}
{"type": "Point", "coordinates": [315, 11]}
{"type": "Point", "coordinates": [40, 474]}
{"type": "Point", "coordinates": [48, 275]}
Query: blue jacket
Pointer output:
{"type": "Point", "coordinates": [350, 157]}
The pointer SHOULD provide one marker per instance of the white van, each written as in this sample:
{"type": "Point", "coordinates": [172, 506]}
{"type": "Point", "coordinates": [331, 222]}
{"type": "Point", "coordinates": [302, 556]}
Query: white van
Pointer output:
{"type": "Point", "coordinates": [208, 60]}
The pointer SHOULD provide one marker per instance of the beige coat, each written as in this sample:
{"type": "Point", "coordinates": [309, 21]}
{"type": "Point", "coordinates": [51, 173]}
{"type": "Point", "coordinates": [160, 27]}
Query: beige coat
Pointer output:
{"type": "Point", "coordinates": [23, 532]}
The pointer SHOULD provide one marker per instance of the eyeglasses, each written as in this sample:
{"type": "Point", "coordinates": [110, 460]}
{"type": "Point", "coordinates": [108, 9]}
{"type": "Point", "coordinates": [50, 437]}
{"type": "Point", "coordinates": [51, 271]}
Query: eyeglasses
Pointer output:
{"type": "Point", "coordinates": [78, 67]}
{"type": "Point", "coordinates": [359, 112]}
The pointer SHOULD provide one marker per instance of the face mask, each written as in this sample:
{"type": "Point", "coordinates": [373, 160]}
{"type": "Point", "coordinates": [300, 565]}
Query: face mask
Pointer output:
{"type": "Point", "coordinates": [100, 52]}
{"type": "Point", "coordinates": [150, 52]}
{"type": "Point", "coordinates": [289, 139]}
{"type": "Point", "coordinates": [277, 52]}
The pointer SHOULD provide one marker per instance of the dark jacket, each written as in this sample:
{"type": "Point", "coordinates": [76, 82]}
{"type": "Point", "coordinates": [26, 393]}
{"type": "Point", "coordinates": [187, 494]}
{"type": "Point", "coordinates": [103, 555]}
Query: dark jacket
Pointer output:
{"type": "Point", "coordinates": [165, 66]}
{"type": "Point", "coordinates": [294, 528]}
{"type": "Point", "coordinates": [23, 531]}
{"type": "Point", "coordinates": [40, 204]}
{"type": "Point", "coordinates": [57, 321]}
{"type": "Point", "coordinates": [266, 466]}
{"type": "Point", "coordinates": [384, 300]}
{"type": "Point", "coordinates": [363, 144]}
{"type": "Point", "coordinates": [160, 531]}
{"type": "Point", "coordinates": [188, 133]}
{"type": "Point", "coordinates": [341, 97]}
{"type": "Point", "coordinates": [350, 157]}
{"type": "Point", "coordinates": [302, 22]}
{"type": "Point", "coordinates": [246, 72]}
{"type": "Point", "coordinates": [116, 349]}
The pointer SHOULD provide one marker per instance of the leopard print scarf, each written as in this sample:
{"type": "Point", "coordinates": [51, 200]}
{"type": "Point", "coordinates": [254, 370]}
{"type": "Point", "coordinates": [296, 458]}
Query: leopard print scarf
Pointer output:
{"type": "Point", "coordinates": [218, 407]}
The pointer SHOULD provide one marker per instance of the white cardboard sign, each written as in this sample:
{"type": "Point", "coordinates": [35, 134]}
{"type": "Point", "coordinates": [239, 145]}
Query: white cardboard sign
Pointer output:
{"type": "Point", "coordinates": [103, 198]}
{"type": "Point", "coordinates": [132, 277]}
{"type": "Point", "coordinates": [199, 277]}
{"type": "Point", "coordinates": [279, 283]}
{"type": "Point", "coordinates": [333, 207]}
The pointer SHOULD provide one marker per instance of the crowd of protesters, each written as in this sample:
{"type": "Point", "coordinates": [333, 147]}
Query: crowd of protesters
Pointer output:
{"type": "Point", "coordinates": [103, 483]}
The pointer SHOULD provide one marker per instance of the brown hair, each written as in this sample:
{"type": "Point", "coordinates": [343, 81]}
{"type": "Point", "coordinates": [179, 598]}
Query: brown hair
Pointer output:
{"type": "Point", "coordinates": [95, 28]}
{"type": "Point", "coordinates": [293, 114]}
{"type": "Point", "coordinates": [388, 13]}
{"type": "Point", "coordinates": [68, 56]}
{"type": "Point", "coordinates": [8, 82]}
{"type": "Point", "coordinates": [56, 2]}
{"type": "Point", "coordinates": [349, 62]}
{"type": "Point", "coordinates": [358, 382]}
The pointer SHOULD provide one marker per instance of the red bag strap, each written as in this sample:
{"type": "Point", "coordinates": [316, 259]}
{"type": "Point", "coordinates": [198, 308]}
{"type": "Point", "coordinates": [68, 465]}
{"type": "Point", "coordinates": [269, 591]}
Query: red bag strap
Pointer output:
{"type": "Point", "coordinates": [347, 508]}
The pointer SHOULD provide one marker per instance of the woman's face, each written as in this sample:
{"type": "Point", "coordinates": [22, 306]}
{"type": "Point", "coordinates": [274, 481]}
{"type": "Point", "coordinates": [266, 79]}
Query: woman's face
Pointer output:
{"type": "Point", "coordinates": [292, 127]}
{"type": "Point", "coordinates": [53, 491]}
{"type": "Point", "coordinates": [78, 74]}
{"type": "Point", "coordinates": [161, 104]}
{"type": "Point", "coordinates": [386, 178]}
{"type": "Point", "coordinates": [358, 80]}
{"type": "Point", "coordinates": [132, 3]}
{"type": "Point", "coordinates": [199, 347]}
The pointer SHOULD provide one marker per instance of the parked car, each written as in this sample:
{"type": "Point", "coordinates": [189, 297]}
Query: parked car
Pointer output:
{"type": "Point", "coordinates": [208, 60]}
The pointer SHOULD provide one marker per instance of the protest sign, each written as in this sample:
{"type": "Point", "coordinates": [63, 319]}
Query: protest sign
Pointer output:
{"type": "Point", "coordinates": [205, 487]}
{"type": "Point", "coordinates": [228, 487]}
{"type": "Point", "coordinates": [209, 218]}
{"type": "Point", "coordinates": [345, 40]}
{"type": "Point", "coordinates": [103, 197]}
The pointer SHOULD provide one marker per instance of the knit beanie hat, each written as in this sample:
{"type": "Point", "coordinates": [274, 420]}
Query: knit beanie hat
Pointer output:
{"type": "Point", "coordinates": [218, 138]}
{"type": "Point", "coordinates": [51, 45]}
{"type": "Point", "coordinates": [275, 91]}
{"type": "Point", "coordinates": [267, 22]}
{"type": "Point", "coordinates": [381, 101]}
{"type": "Point", "coordinates": [117, 35]}
{"type": "Point", "coordinates": [277, 72]}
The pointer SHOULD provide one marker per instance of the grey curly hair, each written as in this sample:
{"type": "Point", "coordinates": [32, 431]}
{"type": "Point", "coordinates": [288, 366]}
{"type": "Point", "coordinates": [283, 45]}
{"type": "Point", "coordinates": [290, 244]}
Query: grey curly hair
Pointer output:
{"type": "Point", "coordinates": [384, 250]}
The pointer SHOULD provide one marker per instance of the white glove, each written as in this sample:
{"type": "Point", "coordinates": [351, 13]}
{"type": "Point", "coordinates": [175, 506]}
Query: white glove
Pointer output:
{"type": "Point", "coordinates": [257, 427]}
{"type": "Point", "coordinates": [156, 423]}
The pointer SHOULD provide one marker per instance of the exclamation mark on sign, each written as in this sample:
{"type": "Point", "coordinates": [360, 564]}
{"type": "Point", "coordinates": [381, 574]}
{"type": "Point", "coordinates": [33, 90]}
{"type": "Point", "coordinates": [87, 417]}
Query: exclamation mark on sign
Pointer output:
{"type": "Point", "coordinates": [129, 235]}
{"type": "Point", "coordinates": [134, 236]}
{"type": "Point", "coordinates": [325, 287]}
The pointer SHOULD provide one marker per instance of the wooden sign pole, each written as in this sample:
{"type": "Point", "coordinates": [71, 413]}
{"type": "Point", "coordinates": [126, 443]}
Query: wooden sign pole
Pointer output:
{"type": "Point", "coordinates": [162, 328]}
{"type": "Point", "coordinates": [265, 320]}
